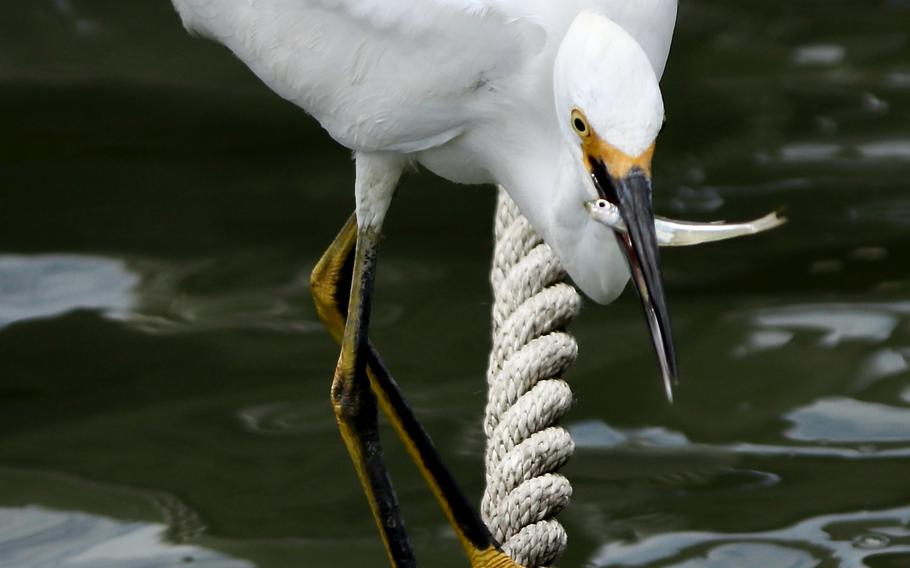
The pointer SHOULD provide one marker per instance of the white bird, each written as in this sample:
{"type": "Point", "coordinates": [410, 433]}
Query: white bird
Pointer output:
{"type": "Point", "coordinates": [558, 102]}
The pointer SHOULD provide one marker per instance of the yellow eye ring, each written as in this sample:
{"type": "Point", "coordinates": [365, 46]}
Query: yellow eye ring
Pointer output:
{"type": "Point", "coordinates": [580, 123]}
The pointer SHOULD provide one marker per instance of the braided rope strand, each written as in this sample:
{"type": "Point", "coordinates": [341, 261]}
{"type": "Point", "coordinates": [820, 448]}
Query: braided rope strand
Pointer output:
{"type": "Point", "coordinates": [525, 446]}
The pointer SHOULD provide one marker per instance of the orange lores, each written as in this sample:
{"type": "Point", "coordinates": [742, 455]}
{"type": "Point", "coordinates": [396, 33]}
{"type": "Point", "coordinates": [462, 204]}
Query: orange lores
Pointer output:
{"type": "Point", "coordinates": [618, 163]}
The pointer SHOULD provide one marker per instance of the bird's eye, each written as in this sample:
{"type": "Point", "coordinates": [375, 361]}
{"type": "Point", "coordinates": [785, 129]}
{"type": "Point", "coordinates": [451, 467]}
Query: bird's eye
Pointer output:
{"type": "Point", "coordinates": [580, 123]}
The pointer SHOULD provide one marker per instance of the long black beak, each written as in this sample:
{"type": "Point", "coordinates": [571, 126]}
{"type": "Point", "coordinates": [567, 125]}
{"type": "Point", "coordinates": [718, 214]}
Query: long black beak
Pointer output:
{"type": "Point", "coordinates": [632, 195]}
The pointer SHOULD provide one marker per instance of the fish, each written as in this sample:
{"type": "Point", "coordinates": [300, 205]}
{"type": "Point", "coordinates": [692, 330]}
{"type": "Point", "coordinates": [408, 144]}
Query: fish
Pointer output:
{"type": "Point", "coordinates": [674, 233]}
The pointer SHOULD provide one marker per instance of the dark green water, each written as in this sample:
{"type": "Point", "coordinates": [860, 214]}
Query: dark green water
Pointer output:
{"type": "Point", "coordinates": [160, 360]}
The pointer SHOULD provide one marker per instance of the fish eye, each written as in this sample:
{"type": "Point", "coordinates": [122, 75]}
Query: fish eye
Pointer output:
{"type": "Point", "coordinates": [580, 123]}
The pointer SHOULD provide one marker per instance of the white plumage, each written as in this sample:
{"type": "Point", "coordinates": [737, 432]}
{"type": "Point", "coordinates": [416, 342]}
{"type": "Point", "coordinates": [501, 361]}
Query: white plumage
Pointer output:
{"type": "Point", "coordinates": [557, 101]}
{"type": "Point", "coordinates": [471, 90]}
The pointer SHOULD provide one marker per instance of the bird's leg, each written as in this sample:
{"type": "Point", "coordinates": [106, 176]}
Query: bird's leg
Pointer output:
{"type": "Point", "coordinates": [355, 408]}
{"type": "Point", "coordinates": [352, 397]}
{"type": "Point", "coordinates": [330, 283]}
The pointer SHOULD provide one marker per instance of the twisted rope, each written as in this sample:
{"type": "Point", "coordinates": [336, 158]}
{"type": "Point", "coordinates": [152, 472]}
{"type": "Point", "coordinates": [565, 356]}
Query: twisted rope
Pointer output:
{"type": "Point", "coordinates": [525, 447]}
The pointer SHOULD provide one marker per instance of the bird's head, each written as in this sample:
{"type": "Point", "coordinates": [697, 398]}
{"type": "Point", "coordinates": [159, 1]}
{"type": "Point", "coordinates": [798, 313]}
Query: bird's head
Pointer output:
{"type": "Point", "coordinates": [610, 112]}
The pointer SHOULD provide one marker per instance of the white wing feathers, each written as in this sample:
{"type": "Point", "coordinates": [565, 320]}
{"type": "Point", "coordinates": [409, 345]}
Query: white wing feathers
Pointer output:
{"type": "Point", "coordinates": [392, 75]}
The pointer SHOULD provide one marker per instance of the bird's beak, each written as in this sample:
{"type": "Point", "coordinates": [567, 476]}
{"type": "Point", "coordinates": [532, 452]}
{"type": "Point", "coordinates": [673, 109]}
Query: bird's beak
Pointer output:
{"type": "Point", "coordinates": [628, 186]}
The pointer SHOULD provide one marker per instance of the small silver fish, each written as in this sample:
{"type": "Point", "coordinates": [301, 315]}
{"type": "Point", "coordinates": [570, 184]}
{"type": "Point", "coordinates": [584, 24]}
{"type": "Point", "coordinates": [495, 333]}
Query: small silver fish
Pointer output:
{"type": "Point", "coordinates": [672, 233]}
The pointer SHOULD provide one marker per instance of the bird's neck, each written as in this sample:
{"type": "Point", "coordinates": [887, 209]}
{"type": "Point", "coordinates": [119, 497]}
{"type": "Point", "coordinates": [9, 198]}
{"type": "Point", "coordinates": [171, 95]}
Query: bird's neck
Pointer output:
{"type": "Point", "coordinates": [535, 179]}
{"type": "Point", "coordinates": [550, 189]}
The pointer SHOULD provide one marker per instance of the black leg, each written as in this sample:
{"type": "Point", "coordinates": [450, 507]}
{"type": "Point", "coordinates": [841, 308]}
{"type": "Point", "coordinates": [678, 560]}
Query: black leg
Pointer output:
{"type": "Point", "coordinates": [330, 281]}
{"type": "Point", "coordinates": [355, 406]}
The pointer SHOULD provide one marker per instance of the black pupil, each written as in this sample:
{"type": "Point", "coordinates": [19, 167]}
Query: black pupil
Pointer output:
{"type": "Point", "coordinates": [580, 125]}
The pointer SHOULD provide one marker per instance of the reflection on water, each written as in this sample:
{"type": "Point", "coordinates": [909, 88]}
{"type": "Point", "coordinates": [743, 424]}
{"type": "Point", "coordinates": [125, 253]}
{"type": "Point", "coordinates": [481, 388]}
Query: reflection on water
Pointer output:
{"type": "Point", "coordinates": [845, 420]}
{"type": "Point", "coordinates": [598, 434]}
{"type": "Point", "coordinates": [819, 54]}
{"type": "Point", "coordinates": [285, 418]}
{"type": "Point", "coordinates": [194, 297]}
{"type": "Point", "coordinates": [819, 541]}
{"type": "Point", "coordinates": [84, 27]}
{"type": "Point", "coordinates": [862, 153]}
{"type": "Point", "coordinates": [841, 427]}
{"type": "Point", "coordinates": [885, 150]}
{"type": "Point", "coordinates": [838, 322]}
{"type": "Point", "coordinates": [46, 286]}
{"type": "Point", "coordinates": [35, 537]}
{"type": "Point", "coordinates": [882, 364]}
{"type": "Point", "coordinates": [763, 340]}
{"type": "Point", "coordinates": [150, 296]}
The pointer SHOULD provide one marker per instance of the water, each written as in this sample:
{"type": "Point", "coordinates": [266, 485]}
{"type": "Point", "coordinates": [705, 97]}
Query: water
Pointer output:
{"type": "Point", "coordinates": [164, 380]}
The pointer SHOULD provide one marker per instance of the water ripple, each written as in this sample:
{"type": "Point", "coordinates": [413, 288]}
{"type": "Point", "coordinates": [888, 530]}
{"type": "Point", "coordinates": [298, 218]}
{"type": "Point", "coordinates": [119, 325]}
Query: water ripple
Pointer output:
{"type": "Point", "coordinates": [850, 421]}
{"type": "Point", "coordinates": [153, 296]}
{"type": "Point", "coordinates": [809, 543]}
{"type": "Point", "coordinates": [50, 285]}
{"type": "Point", "coordinates": [882, 364]}
{"type": "Point", "coordinates": [285, 418]}
{"type": "Point", "coordinates": [819, 54]}
{"type": "Point", "coordinates": [841, 428]}
{"type": "Point", "coordinates": [35, 537]}
{"type": "Point", "coordinates": [839, 322]}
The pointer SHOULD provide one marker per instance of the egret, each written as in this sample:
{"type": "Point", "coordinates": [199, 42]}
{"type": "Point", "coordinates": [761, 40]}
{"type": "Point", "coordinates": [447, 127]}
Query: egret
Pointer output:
{"type": "Point", "coordinates": [557, 102]}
